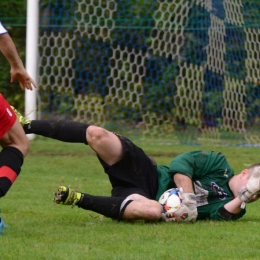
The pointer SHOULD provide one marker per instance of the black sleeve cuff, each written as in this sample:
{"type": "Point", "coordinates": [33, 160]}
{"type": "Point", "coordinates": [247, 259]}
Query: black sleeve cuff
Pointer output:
{"type": "Point", "coordinates": [226, 215]}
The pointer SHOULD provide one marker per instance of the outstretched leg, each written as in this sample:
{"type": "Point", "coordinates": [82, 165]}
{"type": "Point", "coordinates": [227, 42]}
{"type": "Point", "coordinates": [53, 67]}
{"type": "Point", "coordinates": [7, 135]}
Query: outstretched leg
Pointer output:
{"type": "Point", "coordinates": [105, 143]}
{"type": "Point", "coordinates": [134, 207]}
{"type": "Point", "coordinates": [126, 164]}
{"type": "Point", "coordinates": [62, 130]}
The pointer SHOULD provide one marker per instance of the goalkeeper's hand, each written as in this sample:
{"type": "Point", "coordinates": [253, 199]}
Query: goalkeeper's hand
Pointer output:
{"type": "Point", "coordinates": [252, 187]}
{"type": "Point", "coordinates": [186, 213]}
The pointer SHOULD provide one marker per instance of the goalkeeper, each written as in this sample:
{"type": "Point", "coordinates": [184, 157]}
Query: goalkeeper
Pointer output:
{"type": "Point", "coordinates": [210, 188]}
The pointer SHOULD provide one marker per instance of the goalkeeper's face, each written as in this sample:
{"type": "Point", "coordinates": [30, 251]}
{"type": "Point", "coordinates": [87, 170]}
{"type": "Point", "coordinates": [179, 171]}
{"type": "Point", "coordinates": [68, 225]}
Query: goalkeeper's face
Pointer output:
{"type": "Point", "coordinates": [244, 176]}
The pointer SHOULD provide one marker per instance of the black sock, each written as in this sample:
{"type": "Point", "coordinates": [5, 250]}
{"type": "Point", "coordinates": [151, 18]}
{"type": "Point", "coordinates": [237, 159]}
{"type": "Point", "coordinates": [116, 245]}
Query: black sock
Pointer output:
{"type": "Point", "coordinates": [66, 131]}
{"type": "Point", "coordinates": [11, 160]}
{"type": "Point", "coordinates": [111, 207]}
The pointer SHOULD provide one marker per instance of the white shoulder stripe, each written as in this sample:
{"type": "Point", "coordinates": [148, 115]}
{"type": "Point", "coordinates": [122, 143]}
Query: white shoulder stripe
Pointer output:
{"type": "Point", "coordinates": [2, 29]}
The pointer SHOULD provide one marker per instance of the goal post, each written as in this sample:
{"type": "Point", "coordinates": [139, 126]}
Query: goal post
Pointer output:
{"type": "Point", "coordinates": [31, 58]}
{"type": "Point", "coordinates": [170, 71]}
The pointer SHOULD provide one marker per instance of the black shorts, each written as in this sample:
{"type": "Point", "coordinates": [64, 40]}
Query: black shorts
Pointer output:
{"type": "Point", "coordinates": [135, 173]}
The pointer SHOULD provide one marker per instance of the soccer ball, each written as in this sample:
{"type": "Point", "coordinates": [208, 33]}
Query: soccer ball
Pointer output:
{"type": "Point", "coordinates": [170, 200]}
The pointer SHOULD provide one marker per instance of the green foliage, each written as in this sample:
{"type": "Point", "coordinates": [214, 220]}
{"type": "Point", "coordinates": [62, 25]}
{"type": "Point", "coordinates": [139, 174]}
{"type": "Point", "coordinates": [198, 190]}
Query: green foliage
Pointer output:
{"type": "Point", "coordinates": [39, 229]}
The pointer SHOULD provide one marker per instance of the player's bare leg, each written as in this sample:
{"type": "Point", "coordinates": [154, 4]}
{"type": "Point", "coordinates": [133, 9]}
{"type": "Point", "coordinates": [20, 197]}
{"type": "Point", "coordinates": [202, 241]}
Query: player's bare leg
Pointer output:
{"type": "Point", "coordinates": [15, 146]}
{"type": "Point", "coordinates": [15, 137]}
{"type": "Point", "coordinates": [108, 147]}
{"type": "Point", "coordinates": [134, 207]}
{"type": "Point", "coordinates": [105, 143]}
{"type": "Point", "coordinates": [142, 208]}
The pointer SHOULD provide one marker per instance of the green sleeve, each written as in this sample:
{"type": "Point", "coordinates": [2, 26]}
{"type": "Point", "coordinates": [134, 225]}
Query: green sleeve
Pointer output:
{"type": "Point", "coordinates": [197, 164]}
{"type": "Point", "coordinates": [165, 182]}
{"type": "Point", "coordinates": [185, 163]}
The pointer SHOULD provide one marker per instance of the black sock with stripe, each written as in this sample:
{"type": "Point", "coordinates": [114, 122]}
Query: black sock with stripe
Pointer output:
{"type": "Point", "coordinates": [11, 160]}
{"type": "Point", "coordinates": [111, 207]}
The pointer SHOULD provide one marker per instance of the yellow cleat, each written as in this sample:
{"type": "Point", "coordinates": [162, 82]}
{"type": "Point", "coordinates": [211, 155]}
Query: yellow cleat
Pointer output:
{"type": "Point", "coordinates": [21, 118]}
{"type": "Point", "coordinates": [66, 196]}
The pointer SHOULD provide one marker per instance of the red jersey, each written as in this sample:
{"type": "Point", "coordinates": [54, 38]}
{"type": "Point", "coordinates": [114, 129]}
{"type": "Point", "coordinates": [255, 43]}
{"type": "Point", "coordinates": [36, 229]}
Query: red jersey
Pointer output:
{"type": "Point", "coordinates": [7, 116]}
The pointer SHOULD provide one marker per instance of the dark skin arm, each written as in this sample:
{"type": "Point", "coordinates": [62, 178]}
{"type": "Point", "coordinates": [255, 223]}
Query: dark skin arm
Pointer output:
{"type": "Point", "coordinates": [18, 71]}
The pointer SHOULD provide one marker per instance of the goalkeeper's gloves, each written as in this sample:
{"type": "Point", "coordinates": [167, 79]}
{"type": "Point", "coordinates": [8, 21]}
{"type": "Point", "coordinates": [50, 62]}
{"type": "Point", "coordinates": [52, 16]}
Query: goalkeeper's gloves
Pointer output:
{"type": "Point", "coordinates": [186, 213]}
{"type": "Point", "coordinates": [252, 187]}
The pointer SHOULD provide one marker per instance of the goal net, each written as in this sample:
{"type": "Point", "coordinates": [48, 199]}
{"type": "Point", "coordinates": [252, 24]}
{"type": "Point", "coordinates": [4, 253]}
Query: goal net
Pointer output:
{"type": "Point", "coordinates": [169, 71]}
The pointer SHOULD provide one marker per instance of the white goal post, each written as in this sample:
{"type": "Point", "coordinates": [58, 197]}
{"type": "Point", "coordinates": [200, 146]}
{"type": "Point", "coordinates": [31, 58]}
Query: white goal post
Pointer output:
{"type": "Point", "coordinates": [31, 57]}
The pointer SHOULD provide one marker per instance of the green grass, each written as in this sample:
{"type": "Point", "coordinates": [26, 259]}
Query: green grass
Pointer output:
{"type": "Point", "coordinates": [39, 229]}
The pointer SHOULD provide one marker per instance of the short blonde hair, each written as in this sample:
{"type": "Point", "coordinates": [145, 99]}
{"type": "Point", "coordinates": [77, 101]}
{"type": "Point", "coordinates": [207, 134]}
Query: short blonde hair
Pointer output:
{"type": "Point", "coordinates": [251, 169]}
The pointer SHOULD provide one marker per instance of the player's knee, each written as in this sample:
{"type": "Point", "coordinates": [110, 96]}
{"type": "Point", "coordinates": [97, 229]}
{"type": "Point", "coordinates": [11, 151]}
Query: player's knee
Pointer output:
{"type": "Point", "coordinates": [25, 147]}
{"type": "Point", "coordinates": [21, 144]}
{"type": "Point", "coordinates": [155, 212]}
{"type": "Point", "coordinates": [95, 134]}
{"type": "Point", "coordinates": [147, 210]}
{"type": "Point", "coordinates": [152, 213]}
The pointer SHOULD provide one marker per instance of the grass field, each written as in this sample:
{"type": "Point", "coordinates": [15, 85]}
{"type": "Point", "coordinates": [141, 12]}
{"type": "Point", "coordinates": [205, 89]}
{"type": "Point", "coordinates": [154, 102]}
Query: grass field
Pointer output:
{"type": "Point", "coordinates": [39, 229]}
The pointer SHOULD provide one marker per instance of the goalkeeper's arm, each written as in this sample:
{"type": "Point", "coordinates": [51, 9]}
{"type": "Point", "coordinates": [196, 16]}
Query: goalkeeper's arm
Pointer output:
{"type": "Point", "coordinates": [187, 195]}
{"type": "Point", "coordinates": [188, 211]}
{"type": "Point", "coordinates": [231, 210]}
{"type": "Point", "coordinates": [184, 182]}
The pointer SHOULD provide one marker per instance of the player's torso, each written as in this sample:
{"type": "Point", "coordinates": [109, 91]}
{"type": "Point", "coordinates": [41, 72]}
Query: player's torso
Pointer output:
{"type": "Point", "coordinates": [212, 191]}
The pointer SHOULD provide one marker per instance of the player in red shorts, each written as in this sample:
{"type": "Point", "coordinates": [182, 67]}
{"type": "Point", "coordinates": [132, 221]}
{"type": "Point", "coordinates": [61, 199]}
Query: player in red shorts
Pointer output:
{"type": "Point", "coordinates": [15, 146]}
{"type": "Point", "coordinates": [13, 140]}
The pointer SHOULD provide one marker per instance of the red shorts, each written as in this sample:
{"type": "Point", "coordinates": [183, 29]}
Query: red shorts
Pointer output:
{"type": "Point", "coordinates": [7, 116]}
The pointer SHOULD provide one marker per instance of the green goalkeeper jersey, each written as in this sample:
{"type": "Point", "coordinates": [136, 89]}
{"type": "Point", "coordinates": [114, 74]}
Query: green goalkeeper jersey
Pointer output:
{"type": "Point", "coordinates": [210, 174]}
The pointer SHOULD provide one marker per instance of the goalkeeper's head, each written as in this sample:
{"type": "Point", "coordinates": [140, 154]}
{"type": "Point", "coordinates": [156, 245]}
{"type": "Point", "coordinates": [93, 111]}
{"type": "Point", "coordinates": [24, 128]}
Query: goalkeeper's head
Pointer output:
{"type": "Point", "coordinates": [242, 179]}
{"type": "Point", "coordinates": [250, 191]}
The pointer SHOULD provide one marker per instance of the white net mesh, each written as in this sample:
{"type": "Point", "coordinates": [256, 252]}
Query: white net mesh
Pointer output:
{"type": "Point", "coordinates": [178, 71]}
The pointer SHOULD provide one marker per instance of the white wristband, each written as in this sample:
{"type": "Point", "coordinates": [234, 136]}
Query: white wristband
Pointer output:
{"type": "Point", "coordinates": [243, 205]}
